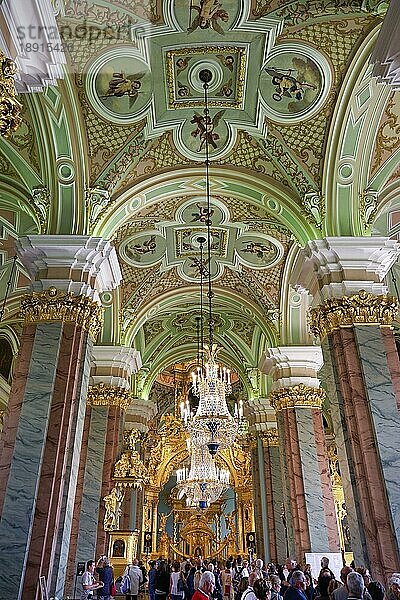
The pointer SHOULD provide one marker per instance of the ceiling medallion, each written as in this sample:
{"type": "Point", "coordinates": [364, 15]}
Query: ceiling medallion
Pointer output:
{"type": "Point", "coordinates": [175, 243]}
{"type": "Point", "coordinates": [294, 82]}
{"type": "Point", "coordinates": [227, 65]}
{"type": "Point", "coordinates": [128, 82]}
{"type": "Point", "coordinates": [119, 85]}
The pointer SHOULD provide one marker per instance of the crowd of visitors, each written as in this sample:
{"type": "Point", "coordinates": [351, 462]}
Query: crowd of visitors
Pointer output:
{"type": "Point", "coordinates": [235, 579]}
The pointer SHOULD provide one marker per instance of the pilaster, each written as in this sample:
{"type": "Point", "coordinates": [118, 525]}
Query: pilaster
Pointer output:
{"type": "Point", "coordinates": [353, 321]}
{"type": "Point", "coordinates": [108, 398]}
{"type": "Point", "coordinates": [297, 400]}
{"type": "Point", "coordinates": [44, 425]}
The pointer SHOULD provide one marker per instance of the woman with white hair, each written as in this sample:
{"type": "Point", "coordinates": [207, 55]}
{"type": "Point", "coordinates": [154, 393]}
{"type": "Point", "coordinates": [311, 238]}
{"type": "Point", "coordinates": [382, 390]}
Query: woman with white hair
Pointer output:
{"type": "Point", "coordinates": [394, 587]}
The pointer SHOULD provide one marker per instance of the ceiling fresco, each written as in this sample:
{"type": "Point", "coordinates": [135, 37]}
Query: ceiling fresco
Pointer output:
{"type": "Point", "coordinates": [124, 156]}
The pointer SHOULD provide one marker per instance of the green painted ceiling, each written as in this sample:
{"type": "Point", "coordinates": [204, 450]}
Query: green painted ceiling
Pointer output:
{"type": "Point", "coordinates": [117, 150]}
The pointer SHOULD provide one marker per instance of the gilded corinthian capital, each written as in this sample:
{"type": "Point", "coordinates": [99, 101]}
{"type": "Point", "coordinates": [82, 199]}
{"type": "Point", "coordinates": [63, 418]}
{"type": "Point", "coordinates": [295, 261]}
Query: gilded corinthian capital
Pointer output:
{"type": "Point", "coordinates": [10, 108]}
{"type": "Point", "coordinates": [297, 396]}
{"type": "Point", "coordinates": [270, 437]}
{"type": "Point", "coordinates": [108, 395]}
{"type": "Point", "coordinates": [362, 308]}
{"type": "Point", "coordinates": [54, 305]}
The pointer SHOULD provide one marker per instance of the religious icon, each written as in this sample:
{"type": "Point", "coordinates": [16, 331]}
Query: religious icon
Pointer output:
{"type": "Point", "coordinates": [118, 550]}
{"type": "Point", "coordinates": [113, 511]}
{"type": "Point", "coordinates": [259, 249]}
{"type": "Point", "coordinates": [204, 215]}
{"type": "Point", "coordinates": [145, 247]}
{"type": "Point", "coordinates": [125, 85]}
{"type": "Point", "coordinates": [287, 84]}
{"type": "Point", "coordinates": [209, 12]}
{"type": "Point", "coordinates": [205, 128]}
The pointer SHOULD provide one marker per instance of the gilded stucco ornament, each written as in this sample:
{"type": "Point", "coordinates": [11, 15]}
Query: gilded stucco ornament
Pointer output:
{"type": "Point", "coordinates": [270, 437]}
{"type": "Point", "coordinates": [108, 395]}
{"type": "Point", "coordinates": [10, 108]}
{"type": "Point", "coordinates": [297, 396]}
{"type": "Point", "coordinates": [131, 469]}
{"type": "Point", "coordinates": [362, 308]}
{"type": "Point", "coordinates": [55, 305]}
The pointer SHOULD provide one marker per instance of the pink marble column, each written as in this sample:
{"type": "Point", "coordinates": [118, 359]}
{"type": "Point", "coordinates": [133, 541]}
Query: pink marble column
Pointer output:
{"type": "Point", "coordinates": [47, 513]}
{"type": "Point", "coordinates": [324, 472]}
{"type": "Point", "coordinates": [393, 361]}
{"type": "Point", "coordinates": [71, 567]}
{"type": "Point", "coordinates": [382, 550]}
{"type": "Point", "coordinates": [7, 438]}
{"type": "Point", "coordinates": [269, 496]}
{"type": "Point", "coordinates": [112, 448]}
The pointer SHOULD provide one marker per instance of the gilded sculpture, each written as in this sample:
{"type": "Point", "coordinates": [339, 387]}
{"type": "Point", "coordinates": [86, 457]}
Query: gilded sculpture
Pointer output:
{"type": "Point", "coordinates": [10, 108]}
{"type": "Point", "coordinates": [113, 510]}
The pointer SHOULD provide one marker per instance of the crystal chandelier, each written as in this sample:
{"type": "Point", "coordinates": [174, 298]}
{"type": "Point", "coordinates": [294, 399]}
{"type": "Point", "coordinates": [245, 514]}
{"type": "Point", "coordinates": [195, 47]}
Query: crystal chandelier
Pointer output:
{"type": "Point", "coordinates": [212, 425]}
{"type": "Point", "coordinates": [203, 483]}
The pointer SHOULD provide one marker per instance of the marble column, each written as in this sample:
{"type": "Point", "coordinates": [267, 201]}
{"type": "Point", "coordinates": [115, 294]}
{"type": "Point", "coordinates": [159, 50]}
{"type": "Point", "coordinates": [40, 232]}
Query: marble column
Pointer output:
{"type": "Point", "coordinates": [297, 399]}
{"type": "Point", "coordinates": [367, 415]}
{"type": "Point", "coordinates": [258, 499]}
{"type": "Point", "coordinates": [274, 494]}
{"type": "Point", "coordinates": [107, 400]}
{"type": "Point", "coordinates": [352, 317]}
{"type": "Point", "coordinates": [44, 426]}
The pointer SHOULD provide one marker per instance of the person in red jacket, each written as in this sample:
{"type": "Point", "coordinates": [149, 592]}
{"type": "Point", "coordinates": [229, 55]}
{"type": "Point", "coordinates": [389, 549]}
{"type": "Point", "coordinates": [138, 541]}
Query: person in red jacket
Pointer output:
{"type": "Point", "coordinates": [206, 586]}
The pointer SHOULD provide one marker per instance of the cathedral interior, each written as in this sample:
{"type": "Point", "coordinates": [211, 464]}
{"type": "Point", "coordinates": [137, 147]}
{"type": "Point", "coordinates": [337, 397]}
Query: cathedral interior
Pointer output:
{"type": "Point", "coordinates": [181, 182]}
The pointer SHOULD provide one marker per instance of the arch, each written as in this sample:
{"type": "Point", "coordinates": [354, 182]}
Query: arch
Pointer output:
{"type": "Point", "coordinates": [223, 297]}
{"type": "Point", "coordinates": [351, 137]}
{"type": "Point", "coordinates": [225, 181]}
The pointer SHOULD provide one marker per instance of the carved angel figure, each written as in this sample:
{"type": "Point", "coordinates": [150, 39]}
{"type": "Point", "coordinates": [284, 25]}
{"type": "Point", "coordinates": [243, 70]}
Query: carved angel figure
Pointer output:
{"type": "Point", "coordinates": [204, 215]}
{"type": "Point", "coordinates": [287, 85]}
{"type": "Point", "coordinates": [259, 249]}
{"type": "Point", "coordinates": [147, 246]}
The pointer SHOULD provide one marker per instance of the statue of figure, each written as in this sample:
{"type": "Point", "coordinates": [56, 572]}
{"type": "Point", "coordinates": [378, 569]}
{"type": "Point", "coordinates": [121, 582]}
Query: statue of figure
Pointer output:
{"type": "Point", "coordinates": [230, 522]}
{"type": "Point", "coordinates": [112, 504]}
{"type": "Point", "coordinates": [163, 521]}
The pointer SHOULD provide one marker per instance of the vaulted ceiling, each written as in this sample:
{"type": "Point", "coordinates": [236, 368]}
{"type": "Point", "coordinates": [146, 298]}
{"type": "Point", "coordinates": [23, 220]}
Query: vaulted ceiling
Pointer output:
{"type": "Point", "coordinates": [303, 144]}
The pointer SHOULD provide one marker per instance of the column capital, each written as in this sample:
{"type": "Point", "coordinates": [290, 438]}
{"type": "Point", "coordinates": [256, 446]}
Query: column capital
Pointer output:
{"type": "Point", "coordinates": [140, 413]}
{"type": "Point", "coordinates": [259, 413]}
{"type": "Point", "coordinates": [269, 437]}
{"type": "Point", "coordinates": [84, 265]}
{"type": "Point", "coordinates": [339, 266]}
{"type": "Point", "coordinates": [114, 365]}
{"type": "Point", "coordinates": [55, 305]}
{"type": "Point", "coordinates": [292, 365]}
{"type": "Point", "coordinates": [108, 395]}
{"type": "Point", "coordinates": [358, 309]}
{"type": "Point", "coordinates": [298, 396]}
